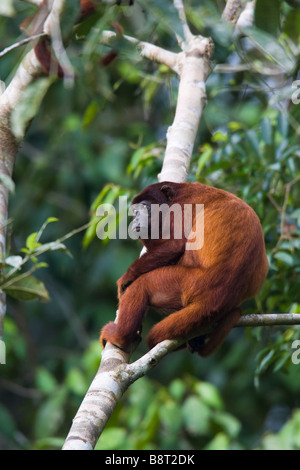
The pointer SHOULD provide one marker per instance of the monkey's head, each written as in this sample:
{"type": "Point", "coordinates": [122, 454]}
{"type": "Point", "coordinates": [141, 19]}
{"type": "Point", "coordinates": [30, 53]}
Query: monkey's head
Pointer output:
{"type": "Point", "coordinates": [147, 203]}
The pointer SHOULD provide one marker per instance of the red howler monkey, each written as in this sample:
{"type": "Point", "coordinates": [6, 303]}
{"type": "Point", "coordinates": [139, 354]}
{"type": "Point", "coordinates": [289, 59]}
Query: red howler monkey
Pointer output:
{"type": "Point", "coordinates": [202, 286]}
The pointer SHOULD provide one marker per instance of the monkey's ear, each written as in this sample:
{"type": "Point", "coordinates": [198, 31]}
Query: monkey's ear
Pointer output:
{"type": "Point", "coordinates": [168, 191]}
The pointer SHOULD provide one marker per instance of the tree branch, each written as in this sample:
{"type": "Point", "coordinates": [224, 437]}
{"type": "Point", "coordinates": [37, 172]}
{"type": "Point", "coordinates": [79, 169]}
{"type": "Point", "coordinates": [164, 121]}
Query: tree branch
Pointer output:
{"type": "Point", "coordinates": [232, 11]}
{"type": "Point", "coordinates": [146, 49]}
{"type": "Point", "coordinates": [246, 17]}
{"type": "Point", "coordinates": [115, 375]}
{"type": "Point", "coordinates": [195, 68]}
{"type": "Point", "coordinates": [269, 319]}
{"type": "Point", "coordinates": [53, 30]}
{"type": "Point", "coordinates": [113, 378]}
{"type": "Point", "coordinates": [28, 71]}
{"type": "Point", "coordinates": [20, 43]}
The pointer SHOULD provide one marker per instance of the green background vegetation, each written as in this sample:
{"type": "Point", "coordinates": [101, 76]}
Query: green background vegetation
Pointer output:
{"type": "Point", "coordinates": [109, 129]}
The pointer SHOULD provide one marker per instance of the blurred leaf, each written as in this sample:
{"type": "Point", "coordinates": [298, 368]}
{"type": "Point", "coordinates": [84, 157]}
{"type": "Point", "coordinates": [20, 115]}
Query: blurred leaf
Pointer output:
{"type": "Point", "coordinates": [229, 424]}
{"type": "Point", "coordinates": [209, 394]}
{"type": "Point", "coordinates": [51, 414]}
{"type": "Point", "coordinates": [112, 439]}
{"type": "Point", "coordinates": [164, 13]}
{"type": "Point", "coordinates": [252, 137]}
{"type": "Point", "coordinates": [267, 15]}
{"type": "Point", "coordinates": [271, 48]}
{"type": "Point", "coordinates": [49, 443]}
{"type": "Point", "coordinates": [219, 442]}
{"type": "Point", "coordinates": [219, 137]}
{"type": "Point", "coordinates": [205, 156]}
{"type": "Point", "coordinates": [284, 257]}
{"type": "Point", "coordinates": [166, 414]}
{"type": "Point", "coordinates": [76, 381]}
{"type": "Point", "coordinates": [27, 288]}
{"type": "Point", "coordinates": [90, 113]}
{"type": "Point", "coordinates": [196, 416]}
{"type": "Point", "coordinates": [70, 13]}
{"type": "Point", "coordinates": [45, 381]}
{"type": "Point", "coordinates": [291, 25]}
{"type": "Point", "coordinates": [8, 426]}
{"type": "Point", "coordinates": [107, 195]}
{"type": "Point", "coordinates": [177, 389]}
{"type": "Point", "coordinates": [27, 107]}
{"type": "Point", "coordinates": [266, 130]}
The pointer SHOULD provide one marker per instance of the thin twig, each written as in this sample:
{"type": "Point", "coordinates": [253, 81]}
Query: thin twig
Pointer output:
{"type": "Point", "coordinates": [146, 49]}
{"type": "Point", "coordinates": [21, 43]}
{"type": "Point", "coordinates": [188, 36]}
{"type": "Point", "coordinates": [53, 29]}
{"type": "Point", "coordinates": [232, 11]}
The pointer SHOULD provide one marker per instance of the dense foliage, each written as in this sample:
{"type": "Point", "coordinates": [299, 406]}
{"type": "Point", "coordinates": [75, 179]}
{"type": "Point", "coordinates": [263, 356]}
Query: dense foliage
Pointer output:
{"type": "Point", "coordinates": [104, 138]}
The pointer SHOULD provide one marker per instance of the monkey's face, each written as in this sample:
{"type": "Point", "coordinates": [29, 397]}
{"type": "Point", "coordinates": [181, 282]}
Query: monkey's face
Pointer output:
{"type": "Point", "coordinates": [141, 223]}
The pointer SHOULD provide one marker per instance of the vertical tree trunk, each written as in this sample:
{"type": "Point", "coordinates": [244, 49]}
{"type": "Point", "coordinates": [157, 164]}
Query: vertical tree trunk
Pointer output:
{"type": "Point", "coordinates": [8, 150]}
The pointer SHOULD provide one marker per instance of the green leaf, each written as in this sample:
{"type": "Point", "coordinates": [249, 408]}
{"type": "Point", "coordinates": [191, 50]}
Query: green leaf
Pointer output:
{"type": "Point", "coordinates": [45, 381]}
{"type": "Point", "coordinates": [177, 389]}
{"type": "Point", "coordinates": [229, 424]}
{"type": "Point", "coordinates": [285, 258]}
{"type": "Point", "coordinates": [76, 381]}
{"type": "Point", "coordinates": [219, 137]}
{"type": "Point", "coordinates": [266, 130]}
{"type": "Point", "coordinates": [49, 443]}
{"type": "Point", "coordinates": [219, 442]}
{"type": "Point", "coordinates": [111, 439]}
{"type": "Point", "coordinates": [291, 26]}
{"type": "Point", "coordinates": [31, 241]}
{"type": "Point", "coordinates": [209, 394]}
{"type": "Point", "coordinates": [51, 414]}
{"type": "Point", "coordinates": [28, 105]}
{"type": "Point", "coordinates": [196, 416]}
{"type": "Point", "coordinates": [8, 427]}
{"type": "Point", "coordinates": [271, 48]}
{"type": "Point", "coordinates": [267, 15]}
{"type": "Point", "coordinates": [253, 140]}
{"type": "Point", "coordinates": [53, 246]}
{"type": "Point", "coordinates": [90, 113]}
{"type": "Point", "coordinates": [205, 156]}
{"type": "Point", "coordinates": [27, 288]}
{"type": "Point", "coordinates": [107, 195]}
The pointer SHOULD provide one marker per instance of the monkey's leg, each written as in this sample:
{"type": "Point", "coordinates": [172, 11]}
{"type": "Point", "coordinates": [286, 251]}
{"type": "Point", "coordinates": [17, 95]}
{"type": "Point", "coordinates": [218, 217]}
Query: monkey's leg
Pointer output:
{"type": "Point", "coordinates": [161, 288]}
{"type": "Point", "coordinates": [207, 344]}
{"type": "Point", "coordinates": [181, 324]}
{"type": "Point", "coordinates": [132, 307]}
{"type": "Point", "coordinates": [180, 288]}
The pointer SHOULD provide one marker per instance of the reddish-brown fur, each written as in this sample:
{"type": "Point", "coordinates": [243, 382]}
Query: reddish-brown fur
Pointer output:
{"type": "Point", "coordinates": [201, 287]}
